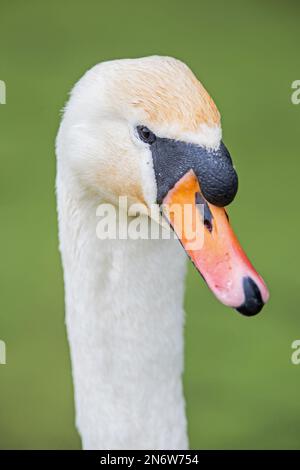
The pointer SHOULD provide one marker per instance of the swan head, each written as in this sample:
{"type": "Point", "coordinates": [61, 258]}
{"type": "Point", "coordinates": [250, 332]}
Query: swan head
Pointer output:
{"type": "Point", "coordinates": [147, 129]}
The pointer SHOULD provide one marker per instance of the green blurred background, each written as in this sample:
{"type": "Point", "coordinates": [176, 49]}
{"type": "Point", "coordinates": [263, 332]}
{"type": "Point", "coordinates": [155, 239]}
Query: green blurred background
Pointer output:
{"type": "Point", "coordinates": [241, 388]}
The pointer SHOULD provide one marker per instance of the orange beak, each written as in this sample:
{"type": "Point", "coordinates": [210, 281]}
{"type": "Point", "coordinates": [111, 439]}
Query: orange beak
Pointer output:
{"type": "Point", "coordinates": [207, 237]}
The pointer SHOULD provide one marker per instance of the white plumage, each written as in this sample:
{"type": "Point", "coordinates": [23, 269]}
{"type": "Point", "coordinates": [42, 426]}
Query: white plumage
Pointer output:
{"type": "Point", "coordinates": [124, 298]}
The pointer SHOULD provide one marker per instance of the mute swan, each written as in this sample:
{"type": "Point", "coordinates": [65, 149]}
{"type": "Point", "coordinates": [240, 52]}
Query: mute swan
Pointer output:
{"type": "Point", "coordinates": [145, 128]}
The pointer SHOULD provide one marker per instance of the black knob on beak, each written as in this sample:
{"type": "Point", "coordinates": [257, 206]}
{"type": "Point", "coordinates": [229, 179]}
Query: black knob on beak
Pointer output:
{"type": "Point", "coordinates": [172, 159]}
{"type": "Point", "coordinates": [217, 177]}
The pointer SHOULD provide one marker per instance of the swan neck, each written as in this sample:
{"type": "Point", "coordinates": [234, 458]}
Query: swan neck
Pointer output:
{"type": "Point", "coordinates": [124, 318]}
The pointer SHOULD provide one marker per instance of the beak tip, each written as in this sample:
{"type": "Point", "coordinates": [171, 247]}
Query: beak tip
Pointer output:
{"type": "Point", "coordinates": [253, 302]}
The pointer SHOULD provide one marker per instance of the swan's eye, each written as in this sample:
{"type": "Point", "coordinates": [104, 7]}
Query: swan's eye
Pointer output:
{"type": "Point", "coordinates": [145, 134]}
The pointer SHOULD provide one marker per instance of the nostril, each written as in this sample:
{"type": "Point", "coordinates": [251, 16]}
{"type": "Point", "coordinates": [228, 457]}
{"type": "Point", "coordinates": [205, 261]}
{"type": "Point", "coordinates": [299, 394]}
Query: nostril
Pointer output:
{"type": "Point", "coordinates": [253, 301]}
{"type": "Point", "coordinates": [208, 225]}
{"type": "Point", "coordinates": [206, 213]}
